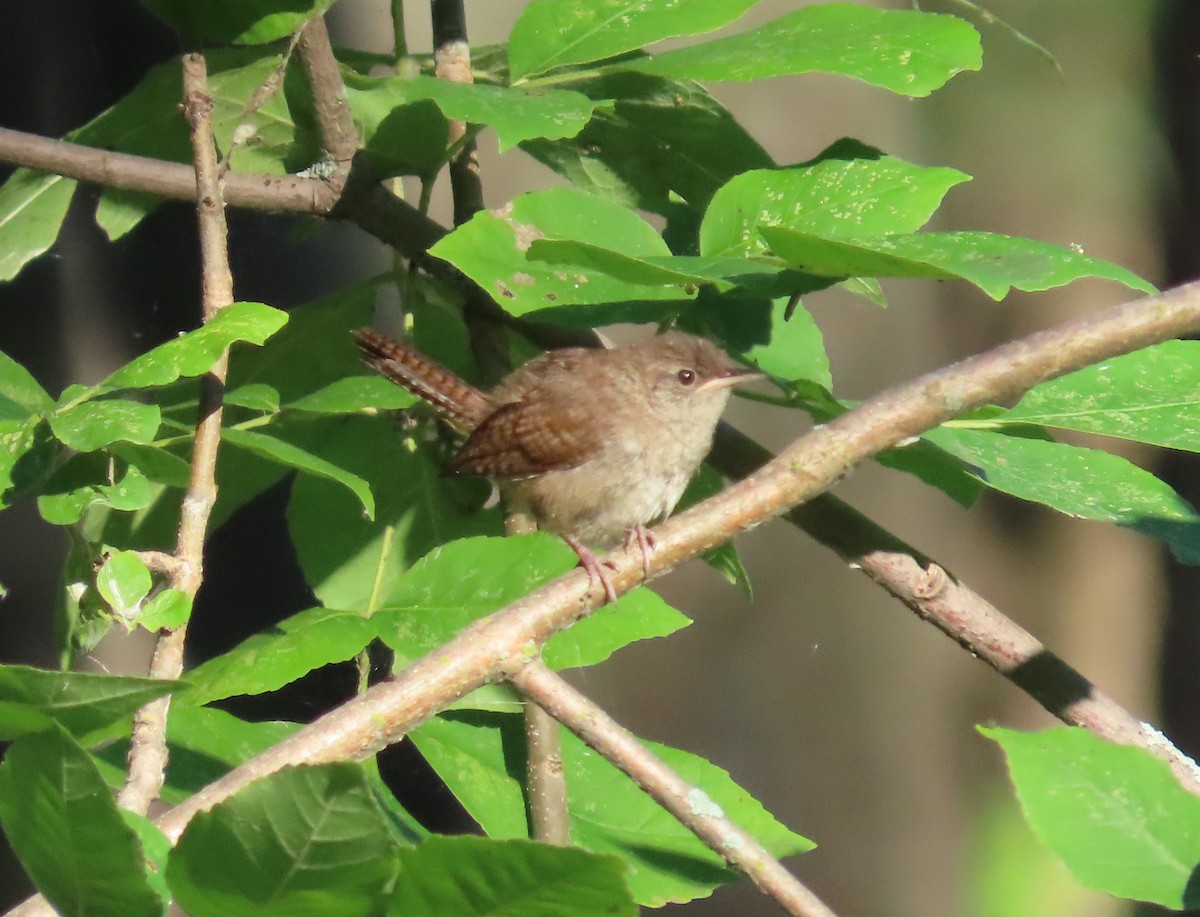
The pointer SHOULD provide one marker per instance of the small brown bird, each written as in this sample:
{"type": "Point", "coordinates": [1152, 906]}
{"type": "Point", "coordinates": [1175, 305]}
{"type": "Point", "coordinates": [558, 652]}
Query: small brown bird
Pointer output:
{"type": "Point", "coordinates": [591, 444]}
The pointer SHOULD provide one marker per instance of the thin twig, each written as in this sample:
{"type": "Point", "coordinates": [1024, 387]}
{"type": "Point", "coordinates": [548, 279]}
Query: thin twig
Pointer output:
{"type": "Point", "coordinates": [452, 62]}
{"type": "Point", "coordinates": [812, 464]}
{"type": "Point", "coordinates": [960, 613]}
{"type": "Point", "coordinates": [688, 803]}
{"type": "Point", "coordinates": [148, 747]}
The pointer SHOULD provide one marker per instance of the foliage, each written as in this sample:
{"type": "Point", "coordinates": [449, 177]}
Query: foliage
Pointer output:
{"type": "Point", "coordinates": [398, 555]}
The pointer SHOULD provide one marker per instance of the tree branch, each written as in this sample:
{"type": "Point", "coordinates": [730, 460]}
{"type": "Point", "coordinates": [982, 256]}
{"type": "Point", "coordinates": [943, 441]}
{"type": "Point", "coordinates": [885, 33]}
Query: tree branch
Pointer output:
{"type": "Point", "coordinates": [339, 136]}
{"type": "Point", "coordinates": [810, 465]}
{"type": "Point", "coordinates": [960, 613]}
{"type": "Point", "coordinates": [370, 207]}
{"type": "Point", "coordinates": [689, 804]}
{"type": "Point", "coordinates": [148, 748]}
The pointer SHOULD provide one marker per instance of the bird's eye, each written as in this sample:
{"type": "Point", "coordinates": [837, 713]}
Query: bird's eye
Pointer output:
{"type": "Point", "coordinates": [686, 376]}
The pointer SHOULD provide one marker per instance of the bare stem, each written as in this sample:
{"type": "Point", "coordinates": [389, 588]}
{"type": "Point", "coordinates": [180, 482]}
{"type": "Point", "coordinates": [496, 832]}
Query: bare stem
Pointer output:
{"type": "Point", "coordinates": [148, 748]}
{"type": "Point", "coordinates": [689, 804]}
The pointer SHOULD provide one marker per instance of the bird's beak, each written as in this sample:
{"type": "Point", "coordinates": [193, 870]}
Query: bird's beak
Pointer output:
{"type": "Point", "coordinates": [733, 377]}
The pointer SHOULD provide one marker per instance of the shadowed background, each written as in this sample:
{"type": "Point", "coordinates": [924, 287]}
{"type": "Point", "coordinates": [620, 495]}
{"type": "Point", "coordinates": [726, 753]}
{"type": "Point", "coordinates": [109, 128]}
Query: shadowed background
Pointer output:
{"type": "Point", "coordinates": [843, 714]}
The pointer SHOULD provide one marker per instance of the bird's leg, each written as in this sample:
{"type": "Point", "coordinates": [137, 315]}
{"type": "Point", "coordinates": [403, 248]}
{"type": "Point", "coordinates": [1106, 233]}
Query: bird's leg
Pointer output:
{"type": "Point", "coordinates": [593, 565]}
{"type": "Point", "coordinates": [640, 535]}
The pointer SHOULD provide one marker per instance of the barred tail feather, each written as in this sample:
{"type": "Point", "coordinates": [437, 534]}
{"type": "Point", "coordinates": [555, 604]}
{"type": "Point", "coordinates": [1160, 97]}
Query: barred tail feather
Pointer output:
{"type": "Point", "coordinates": [463, 405]}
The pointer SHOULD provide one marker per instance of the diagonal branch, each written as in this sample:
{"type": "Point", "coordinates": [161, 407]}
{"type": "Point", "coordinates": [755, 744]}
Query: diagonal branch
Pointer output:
{"type": "Point", "coordinates": [960, 613]}
{"type": "Point", "coordinates": [371, 208]}
{"type": "Point", "coordinates": [809, 466]}
{"type": "Point", "coordinates": [689, 804]}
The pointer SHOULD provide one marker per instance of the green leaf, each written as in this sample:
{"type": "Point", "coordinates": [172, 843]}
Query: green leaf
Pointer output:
{"type": "Point", "coordinates": [724, 558]}
{"type": "Point", "coordinates": [1149, 396]}
{"type": "Point", "coordinates": [306, 841]}
{"type": "Point", "coordinates": [454, 876]}
{"type": "Point", "coordinates": [463, 581]}
{"type": "Point", "coordinates": [906, 52]}
{"type": "Point", "coordinates": [89, 426]}
{"type": "Point", "coordinates": [67, 832]}
{"type": "Point", "coordinates": [491, 250]}
{"type": "Point", "coordinates": [352, 562]}
{"type": "Point", "coordinates": [27, 452]}
{"type": "Point", "coordinates": [285, 453]}
{"type": "Point", "coordinates": [248, 22]}
{"type": "Point", "coordinates": [993, 262]}
{"type": "Point", "coordinates": [92, 479]}
{"type": "Point", "coordinates": [476, 754]}
{"type": "Point", "coordinates": [515, 114]}
{"type": "Point", "coordinates": [661, 138]}
{"type": "Point", "coordinates": [20, 393]}
{"type": "Point", "coordinates": [32, 208]}
{"type": "Point", "coordinates": [288, 651]}
{"type": "Point", "coordinates": [849, 191]}
{"type": "Point", "coordinates": [156, 849]}
{"type": "Point", "coordinates": [124, 581]}
{"type": "Point", "coordinates": [1085, 483]}
{"type": "Point", "coordinates": [555, 33]}
{"type": "Point", "coordinates": [194, 353]}
{"type": "Point", "coordinates": [82, 703]}
{"type": "Point", "coordinates": [355, 394]}
{"type": "Point", "coordinates": [313, 351]}
{"type": "Point", "coordinates": [796, 350]}
{"type": "Point", "coordinates": [1116, 815]}
{"type": "Point", "coordinates": [167, 610]}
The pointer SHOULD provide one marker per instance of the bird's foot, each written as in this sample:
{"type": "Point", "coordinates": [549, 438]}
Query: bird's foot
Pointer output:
{"type": "Point", "coordinates": [640, 535]}
{"type": "Point", "coordinates": [593, 565]}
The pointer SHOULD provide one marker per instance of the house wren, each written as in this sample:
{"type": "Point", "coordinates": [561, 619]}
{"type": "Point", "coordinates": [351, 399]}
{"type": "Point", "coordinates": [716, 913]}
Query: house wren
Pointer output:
{"type": "Point", "coordinates": [591, 444]}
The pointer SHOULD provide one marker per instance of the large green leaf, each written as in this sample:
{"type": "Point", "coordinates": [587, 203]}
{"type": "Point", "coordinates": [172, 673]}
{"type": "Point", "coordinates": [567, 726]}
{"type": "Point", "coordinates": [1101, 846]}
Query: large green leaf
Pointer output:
{"type": "Point", "coordinates": [352, 562]}
{"type": "Point", "coordinates": [907, 52]}
{"type": "Point", "coordinates": [32, 208]}
{"type": "Point", "coordinates": [491, 250]}
{"type": "Point", "coordinates": [306, 841]}
{"type": "Point", "coordinates": [848, 191]}
{"type": "Point", "coordinates": [287, 651]}
{"type": "Point", "coordinates": [455, 876]}
{"type": "Point", "coordinates": [463, 581]}
{"type": "Point", "coordinates": [292, 456]}
{"type": "Point", "coordinates": [82, 703]}
{"type": "Point", "coordinates": [1085, 483]}
{"type": "Point", "coordinates": [250, 22]}
{"type": "Point", "coordinates": [555, 33]}
{"type": "Point", "coordinates": [515, 114]}
{"type": "Point", "coordinates": [476, 754]}
{"type": "Point", "coordinates": [68, 833]}
{"type": "Point", "coordinates": [90, 425]}
{"type": "Point", "coordinates": [994, 263]}
{"type": "Point", "coordinates": [1116, 815]}
{"type": "Point", "coordinates": [194, 353]}
{"type": "Point", "coordinates": [660, 139]}
{"type": "Point", "coordinates": [1150, 396]}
